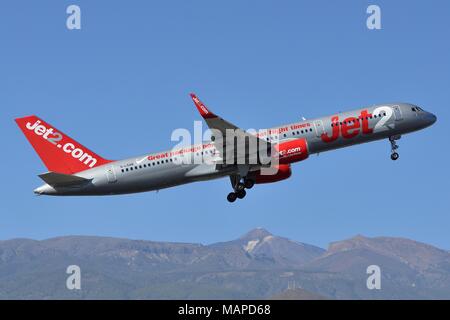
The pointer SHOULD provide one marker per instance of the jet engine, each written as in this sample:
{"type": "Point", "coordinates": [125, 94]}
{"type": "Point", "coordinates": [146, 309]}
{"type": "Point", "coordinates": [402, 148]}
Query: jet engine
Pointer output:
{"type": "Point", "coordinates": [283, 171]}
{"type": "Point", "coordinates": [291, 151]}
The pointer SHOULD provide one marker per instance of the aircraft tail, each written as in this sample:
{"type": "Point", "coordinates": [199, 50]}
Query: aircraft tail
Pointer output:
{"type": "Point", "coordinates": [58, 151]}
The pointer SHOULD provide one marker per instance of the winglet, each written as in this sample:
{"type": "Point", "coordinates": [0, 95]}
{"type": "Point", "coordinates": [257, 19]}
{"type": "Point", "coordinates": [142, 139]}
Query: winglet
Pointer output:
{"type": "Point", "coordinates": [204, 112]}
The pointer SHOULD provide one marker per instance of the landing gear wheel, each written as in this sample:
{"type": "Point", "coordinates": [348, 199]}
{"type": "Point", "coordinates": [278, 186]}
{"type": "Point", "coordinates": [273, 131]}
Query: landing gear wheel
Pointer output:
{"type": "Point", "coordinates": [394, 156]}
{"type": "Point", "coordinates": [249, 183]}
{"type": "Point", "coordinates": [241, 194]}
{"type": "Point", "coordinates": [232, 197]}
{"type": "Point", "coordinates": [394, 147]}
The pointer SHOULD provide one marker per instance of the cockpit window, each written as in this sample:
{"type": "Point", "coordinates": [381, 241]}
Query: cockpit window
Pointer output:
{"type": "Point", "coordinates": [413, 109]}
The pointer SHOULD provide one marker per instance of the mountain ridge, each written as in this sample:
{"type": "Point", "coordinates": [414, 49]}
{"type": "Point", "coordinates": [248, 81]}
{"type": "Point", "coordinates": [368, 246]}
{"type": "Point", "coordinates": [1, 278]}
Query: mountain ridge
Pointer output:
{"type": "Point", "coordinates": [255, 265]}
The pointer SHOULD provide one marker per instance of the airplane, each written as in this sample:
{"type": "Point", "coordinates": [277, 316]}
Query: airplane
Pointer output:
{"type": "Point", "coordinates": [73, 169]}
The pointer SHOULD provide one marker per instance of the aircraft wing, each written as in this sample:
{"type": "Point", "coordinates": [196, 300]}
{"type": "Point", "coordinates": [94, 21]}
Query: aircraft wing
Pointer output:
{"type": "Point", "coordinates": [238, 148]}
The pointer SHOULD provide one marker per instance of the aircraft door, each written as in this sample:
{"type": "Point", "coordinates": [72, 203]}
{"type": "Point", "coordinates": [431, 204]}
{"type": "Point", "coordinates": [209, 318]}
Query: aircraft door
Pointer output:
{"type": "Point", "coordinates": [397, 113]}
{"type": "Point", "coordinates": [111, 175]}
{"type": "Point", "coordinates": [318, 125]}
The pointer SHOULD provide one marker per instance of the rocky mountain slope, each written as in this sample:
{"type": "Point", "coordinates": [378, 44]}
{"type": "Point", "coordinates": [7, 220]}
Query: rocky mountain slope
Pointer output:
{"type": "Point", "coordinates": [256, 265]}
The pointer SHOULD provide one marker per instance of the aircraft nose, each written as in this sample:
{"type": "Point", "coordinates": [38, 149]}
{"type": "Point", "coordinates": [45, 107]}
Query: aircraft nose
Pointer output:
{"type": "Point", "coordinates": [430, 118]}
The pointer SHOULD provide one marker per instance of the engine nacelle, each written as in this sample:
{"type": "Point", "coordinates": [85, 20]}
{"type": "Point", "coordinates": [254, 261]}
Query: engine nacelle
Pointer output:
{"type": "Point", "coordinates": [291, 151]}
{"type": "Point", "coordinates": [283, 172]}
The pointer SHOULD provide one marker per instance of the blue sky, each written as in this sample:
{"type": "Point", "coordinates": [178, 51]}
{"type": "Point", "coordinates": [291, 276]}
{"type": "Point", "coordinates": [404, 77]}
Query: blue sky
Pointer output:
{"type": "Point", "coordinates": [120, 86]}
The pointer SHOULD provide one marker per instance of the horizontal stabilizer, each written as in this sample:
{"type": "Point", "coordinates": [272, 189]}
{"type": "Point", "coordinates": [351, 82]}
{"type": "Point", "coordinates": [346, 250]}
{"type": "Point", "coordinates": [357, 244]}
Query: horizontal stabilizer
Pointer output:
{"type": "Point", "coordinates": [62, 180]}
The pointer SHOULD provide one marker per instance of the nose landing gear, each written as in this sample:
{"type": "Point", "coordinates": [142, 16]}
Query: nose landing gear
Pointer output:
{"type": "Point", "coordinates": [394, 156]}
{"type": "Point", "coordinates": [394, 147]}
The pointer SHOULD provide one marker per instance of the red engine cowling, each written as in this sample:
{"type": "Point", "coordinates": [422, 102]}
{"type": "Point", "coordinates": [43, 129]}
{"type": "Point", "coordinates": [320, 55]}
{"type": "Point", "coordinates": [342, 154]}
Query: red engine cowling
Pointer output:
{"type": "Point", "coordinates": [283, 172]}
{"type": "Point", "coordinates": [292, 151]}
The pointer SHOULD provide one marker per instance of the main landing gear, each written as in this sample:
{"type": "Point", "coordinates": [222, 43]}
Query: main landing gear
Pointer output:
{"type": "Point", "coordinates": [394, 147]}
{"type": "Point", "coordinates": [239, 187]}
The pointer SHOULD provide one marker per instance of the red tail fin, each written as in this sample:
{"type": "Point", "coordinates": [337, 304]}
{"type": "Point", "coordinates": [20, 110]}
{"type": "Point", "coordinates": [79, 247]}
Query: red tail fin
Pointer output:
{"type": "Point", "coordinates": [59, 152]}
